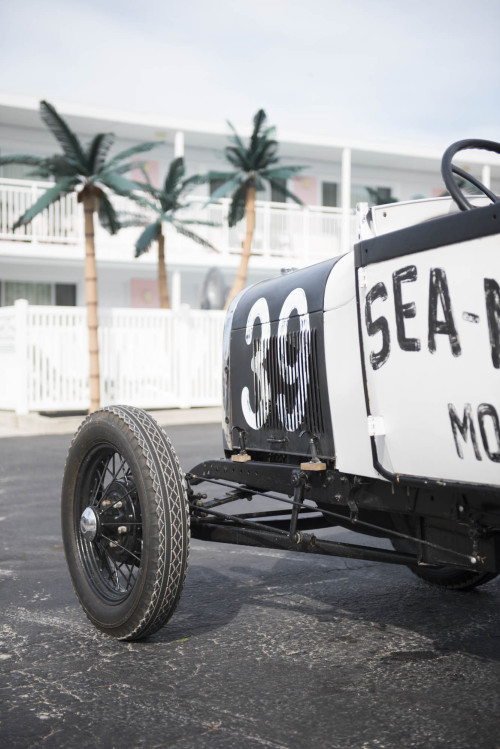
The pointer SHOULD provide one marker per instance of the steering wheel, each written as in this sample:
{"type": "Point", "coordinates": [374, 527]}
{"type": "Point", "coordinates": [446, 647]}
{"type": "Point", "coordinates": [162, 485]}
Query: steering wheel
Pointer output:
{"type": "Point", "coordinates": [448, 170]}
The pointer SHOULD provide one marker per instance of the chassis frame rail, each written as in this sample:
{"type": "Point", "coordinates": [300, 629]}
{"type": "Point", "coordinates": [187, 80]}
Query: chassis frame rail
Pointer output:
{"type": "Point", "coordinates": [262, 532]}
{"type": "Point", "coordinates": [244, 480]}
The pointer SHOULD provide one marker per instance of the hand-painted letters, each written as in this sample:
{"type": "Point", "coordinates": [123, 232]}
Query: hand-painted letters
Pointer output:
{"type": "Point", "coordinates": [492, 291]}
{"type": "Point", "coordinates": [489, 428]}
{"type": "Point", "coordinates": [380, 325]}
{"type": "Point", "coordinates": [440, 316]}
{"type": "Point", "coordinates": [407, 310]}
{"type": "Point", "coordinates": [438, 292]}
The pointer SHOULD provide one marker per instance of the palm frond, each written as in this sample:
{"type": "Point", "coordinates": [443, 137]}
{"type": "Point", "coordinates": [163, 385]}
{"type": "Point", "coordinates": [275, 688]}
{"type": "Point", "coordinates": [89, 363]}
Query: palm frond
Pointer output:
{"type": "Point", "coordinates": [128, 166]}
{"type": "Point", "coordinates": [191, 221]}
{"type": "Point", "coordinates": [120, 185]}
{"type": "Point", "coordinates": [175, 174]}
{"type": "Point", "coordinates": [128, 152]}
{"type": "Point", "coordinates": [98, 150]}
{"type": "Point", "coordinates": [196, 179]}
{"type": "Point", "coordinates": [236, 138]}
{"type": "Point", "coordinates": [202, 179]}
{"type": "Point", "coordinates": [169, 202]}
{"type": "Point", "coordinates": [232, 183]}
{"type": "Point", "coordinates": [180, 227]}
{"type": "Point", "coordinates": [237, 207]}
{"type": "Point", "coordinates": [282, 172]}
{"type": "Point", "coordinates": [147, 238]}
{"type": "Point", "coordinates": [66, 137]}
{"type": "Point", "coordinates": [279, 187]}
{"type": "Point", "coordinates": [107, 215]}
{"type": "Point", "coordinates": [237, 158]}
{"type": "Point", "coordinates": [265, 152]}
{"type": "Point", "coordinates": [139, 198]}
{"type": "Point", "coordinates": [24, 159]}
{"type": "Point", "coordinates": [269, 132]}
{"type": "Point", "coordinates": [51, 195]}
{"type": "Point", "coordinates": [258, 121]}
{"type": "Point", "coordinates": [127, 219]}
{"type": "Point", "coordinates": [57, 167]}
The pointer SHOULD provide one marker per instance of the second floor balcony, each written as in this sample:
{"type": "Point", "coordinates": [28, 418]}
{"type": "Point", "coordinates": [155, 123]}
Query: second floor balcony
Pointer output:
{"type": "Point", "coordinates": [285, 234]}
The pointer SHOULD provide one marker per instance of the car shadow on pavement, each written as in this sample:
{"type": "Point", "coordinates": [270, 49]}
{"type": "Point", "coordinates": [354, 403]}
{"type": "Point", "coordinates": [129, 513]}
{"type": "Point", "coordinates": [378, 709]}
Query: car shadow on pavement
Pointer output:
{"type": "Point", "coordinates": [340, 601]}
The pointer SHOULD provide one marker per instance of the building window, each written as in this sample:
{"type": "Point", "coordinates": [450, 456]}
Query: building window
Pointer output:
{"type": "Point", "coordinates": [61, 294]}
{"type": "Point", "coordinates": [330, 194]}
{"type": "Point", "coordinates": [65, 294]}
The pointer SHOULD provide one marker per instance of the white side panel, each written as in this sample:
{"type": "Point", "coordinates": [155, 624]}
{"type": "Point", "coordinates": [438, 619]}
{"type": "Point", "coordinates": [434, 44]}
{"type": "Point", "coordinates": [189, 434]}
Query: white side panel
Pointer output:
{"type": "Point", "coordinates": [435, 382]}
{"type": "Point", "coordinates": [344, 375]}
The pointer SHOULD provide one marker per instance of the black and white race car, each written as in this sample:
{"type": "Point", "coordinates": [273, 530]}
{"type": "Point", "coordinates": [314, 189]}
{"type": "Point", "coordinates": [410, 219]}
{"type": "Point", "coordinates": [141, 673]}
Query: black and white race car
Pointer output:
{"type": "Point", "coordinates": [361, 392]}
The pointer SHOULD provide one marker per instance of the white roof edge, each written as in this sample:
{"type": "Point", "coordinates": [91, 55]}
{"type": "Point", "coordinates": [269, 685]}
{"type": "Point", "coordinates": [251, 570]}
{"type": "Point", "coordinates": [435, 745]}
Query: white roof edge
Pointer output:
{"type": "Point", "coordinates": [160, 121]}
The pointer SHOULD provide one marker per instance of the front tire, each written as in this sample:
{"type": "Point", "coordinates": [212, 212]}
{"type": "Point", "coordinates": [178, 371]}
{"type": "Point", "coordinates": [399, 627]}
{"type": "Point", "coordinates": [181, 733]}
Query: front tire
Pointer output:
{"type": "Point", "coordinates": [125, 522]}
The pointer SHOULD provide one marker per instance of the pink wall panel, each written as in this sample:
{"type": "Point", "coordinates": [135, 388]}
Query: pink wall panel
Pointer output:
{"type": "Point", "coordinates": [152, 169]}
{"type": "Point", "coordinates": [144, 292]}
{"type": "Point", "coordinates": [306, 188]}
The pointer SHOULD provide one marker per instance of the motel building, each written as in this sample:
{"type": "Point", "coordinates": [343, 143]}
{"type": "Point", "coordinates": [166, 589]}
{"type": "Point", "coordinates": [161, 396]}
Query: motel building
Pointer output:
{"type": "Point", "coordinates": [42, 346]}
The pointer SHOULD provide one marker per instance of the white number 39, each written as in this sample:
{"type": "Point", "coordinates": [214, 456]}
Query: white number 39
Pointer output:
{"type": "Point", "coordinates": [297, 372]}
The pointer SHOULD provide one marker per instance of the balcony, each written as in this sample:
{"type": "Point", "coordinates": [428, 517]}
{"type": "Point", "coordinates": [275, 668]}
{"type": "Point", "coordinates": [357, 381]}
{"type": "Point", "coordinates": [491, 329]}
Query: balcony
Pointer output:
{"type": "Point", "coordinates": [285, 234]}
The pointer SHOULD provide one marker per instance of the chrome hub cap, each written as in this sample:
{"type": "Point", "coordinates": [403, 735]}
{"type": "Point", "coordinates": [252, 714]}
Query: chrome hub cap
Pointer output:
{"type": "Point", "coordinates": [89, 523]}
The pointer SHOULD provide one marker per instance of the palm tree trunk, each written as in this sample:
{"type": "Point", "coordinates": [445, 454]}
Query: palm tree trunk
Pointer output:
{"type": "Point", "coordinates": [241, 276]}
{"type": "Point", "coordinates": [90, 205]}
{"type": "Point", "coordinates": [162, 273]}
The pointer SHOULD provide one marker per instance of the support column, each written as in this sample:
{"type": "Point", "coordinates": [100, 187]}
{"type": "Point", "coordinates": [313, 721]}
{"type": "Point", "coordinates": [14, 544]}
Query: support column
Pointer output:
{"type": "Point", "coordinates": [486, 176]}
{"type": "Point", "coordinates": [345, 235]}
{"type": "Point", "coordinates": [178, 144]}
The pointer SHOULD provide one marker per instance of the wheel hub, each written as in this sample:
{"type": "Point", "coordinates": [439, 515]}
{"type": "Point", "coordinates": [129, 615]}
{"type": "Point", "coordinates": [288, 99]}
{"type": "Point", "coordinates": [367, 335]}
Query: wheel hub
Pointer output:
{"type": "Point", "coordinates": [89, 523]}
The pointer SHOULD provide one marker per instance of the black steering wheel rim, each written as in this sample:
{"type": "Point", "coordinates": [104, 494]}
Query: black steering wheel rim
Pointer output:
{"type": "Point", "coordinates": [448, 169]}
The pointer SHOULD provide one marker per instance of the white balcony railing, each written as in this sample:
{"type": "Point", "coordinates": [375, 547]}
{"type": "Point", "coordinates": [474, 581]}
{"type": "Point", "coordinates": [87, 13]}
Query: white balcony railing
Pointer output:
{"type": "Point", "coordinates": [297, 235]}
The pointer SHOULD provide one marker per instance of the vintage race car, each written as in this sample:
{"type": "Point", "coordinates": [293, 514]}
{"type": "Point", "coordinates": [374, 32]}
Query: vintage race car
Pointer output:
{"type": "Point", "coordinates": [361, 392]}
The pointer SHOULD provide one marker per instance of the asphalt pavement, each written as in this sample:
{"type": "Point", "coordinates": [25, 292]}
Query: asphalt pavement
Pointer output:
{"type": "Point", "coordinates": [267, 648]}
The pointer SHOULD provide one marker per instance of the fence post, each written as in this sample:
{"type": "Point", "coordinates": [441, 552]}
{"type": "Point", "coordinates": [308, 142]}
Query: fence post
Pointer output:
{"type": "Point", "coordinates": [183, 353]}
{"type": "Point", "coordinates": [21, 349]}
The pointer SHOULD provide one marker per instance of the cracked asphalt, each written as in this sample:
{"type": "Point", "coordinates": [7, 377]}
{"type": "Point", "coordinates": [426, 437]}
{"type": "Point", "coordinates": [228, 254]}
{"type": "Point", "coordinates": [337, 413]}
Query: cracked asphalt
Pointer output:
{"type": "Point", "coordinates": [266, 649]}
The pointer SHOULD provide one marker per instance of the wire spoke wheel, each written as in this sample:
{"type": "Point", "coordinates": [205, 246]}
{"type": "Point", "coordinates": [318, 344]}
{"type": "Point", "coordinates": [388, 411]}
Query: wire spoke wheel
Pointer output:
{"type": "Point", "coordinates": [109, 531]}
{"type": "Point", "coordinates": [125, 522]}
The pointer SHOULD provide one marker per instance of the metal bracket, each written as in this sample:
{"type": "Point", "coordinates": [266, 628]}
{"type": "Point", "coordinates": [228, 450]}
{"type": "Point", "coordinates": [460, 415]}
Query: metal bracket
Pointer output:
{"type": "Point", "coordinates": [353, 510]}
{"type": "Point", "coordinates": [376, 426]}
{"type": "Point", "coordinates": [299, 481]}
{"type": "Point", "coordinates": [242, 456]}
{"type": "Point", "coordinates": [315, 464]}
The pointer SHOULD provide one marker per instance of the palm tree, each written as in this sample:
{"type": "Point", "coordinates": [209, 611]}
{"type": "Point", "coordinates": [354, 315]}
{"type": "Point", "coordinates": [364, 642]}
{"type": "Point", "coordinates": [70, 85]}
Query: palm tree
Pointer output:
{"type": "Point", "coordinates": [167, 202]}
{"type": "Point", "coordinates": [87, 171]}
{"type": "Point", "coordinates": [254, 165]}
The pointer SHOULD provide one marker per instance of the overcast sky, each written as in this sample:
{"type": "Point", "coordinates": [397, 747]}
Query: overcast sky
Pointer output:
{"type": "Point", "coordinates": [426, 71]}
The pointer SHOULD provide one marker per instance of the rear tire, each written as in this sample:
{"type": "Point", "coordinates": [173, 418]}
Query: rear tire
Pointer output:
{"type": "Point", "coordinates": [452, 577]}
{"type": "Point", "coordinates": [125, 522]}
{"type": "Point", "coordinates": [449, 577]}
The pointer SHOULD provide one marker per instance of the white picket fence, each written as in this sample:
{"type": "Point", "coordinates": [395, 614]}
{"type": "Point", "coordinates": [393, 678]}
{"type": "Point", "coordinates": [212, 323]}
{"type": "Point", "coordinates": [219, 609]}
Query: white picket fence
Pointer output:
{"type": "Point", "coordinates": [148, 358]}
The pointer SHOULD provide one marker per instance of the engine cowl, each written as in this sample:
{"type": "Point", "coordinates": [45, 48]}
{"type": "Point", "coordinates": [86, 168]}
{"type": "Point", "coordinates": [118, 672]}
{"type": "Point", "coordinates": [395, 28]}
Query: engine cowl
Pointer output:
{"type": "Point", "coordinates": [275, 388]}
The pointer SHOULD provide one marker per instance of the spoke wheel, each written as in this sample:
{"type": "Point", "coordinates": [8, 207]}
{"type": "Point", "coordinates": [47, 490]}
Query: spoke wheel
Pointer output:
{"type": "Point", "coordinates": [125, 522]}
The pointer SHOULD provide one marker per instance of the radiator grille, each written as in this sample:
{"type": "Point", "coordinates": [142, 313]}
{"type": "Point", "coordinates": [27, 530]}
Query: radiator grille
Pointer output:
{"type": "Point", "coordinates": [289, 373]}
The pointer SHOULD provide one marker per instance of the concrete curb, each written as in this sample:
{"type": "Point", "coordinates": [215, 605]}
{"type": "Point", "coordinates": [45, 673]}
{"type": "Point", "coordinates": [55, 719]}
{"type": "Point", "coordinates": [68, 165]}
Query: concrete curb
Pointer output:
{"type": "Point", "coordinates": [35, 424]}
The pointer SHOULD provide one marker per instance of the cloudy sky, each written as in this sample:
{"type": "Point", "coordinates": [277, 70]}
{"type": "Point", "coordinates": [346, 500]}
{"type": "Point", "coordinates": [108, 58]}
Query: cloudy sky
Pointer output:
{"type": "Point", "coordinates": [384, 69]}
